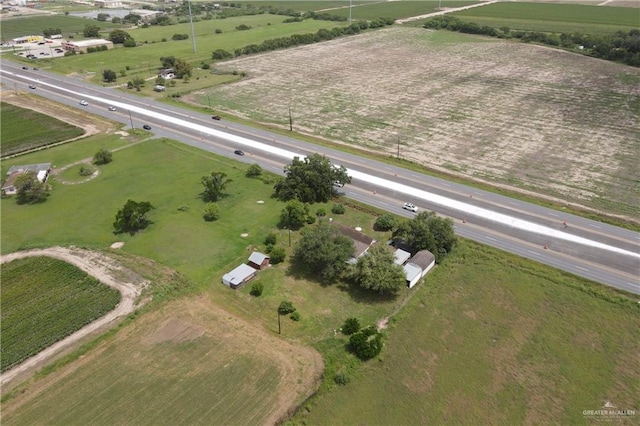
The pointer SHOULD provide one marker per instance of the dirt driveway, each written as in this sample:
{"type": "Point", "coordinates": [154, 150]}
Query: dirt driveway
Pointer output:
{"type": "Point", "coordinates": [99, 266]}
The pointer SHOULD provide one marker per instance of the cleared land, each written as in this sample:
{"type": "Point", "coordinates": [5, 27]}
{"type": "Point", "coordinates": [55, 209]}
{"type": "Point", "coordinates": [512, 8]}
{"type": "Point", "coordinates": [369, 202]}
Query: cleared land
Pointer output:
{"type": "Point", "coordinates": [531, 117]}
{"type": "Point", "coordinates": [44, 300]}
{"type": "Point", "coordinates": [189, 362]}
{"type": "Point", "coordinates": [493, 339]}
{"type": "Point", "coordinates": [24, 129]}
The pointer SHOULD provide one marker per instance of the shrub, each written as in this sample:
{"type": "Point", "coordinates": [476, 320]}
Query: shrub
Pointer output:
{"type": "Point", "coordinates": [256, 289]}
{"type": "Point", "coordinates": [337, 209]}
{"type": "Point", "coordinates": [218, 31]}
{"type": "Point", "coordinates": [321, 212]}
{"type": "Point", "coordinates": [351, 326]}
{"type": "Point", "coordinates": [211, 212]}
{"type": "Point", "coordinates": [254, 170]}
{"type": "Point", "coordinates": [311, 220]}
{"type": "Point", "coordinates": [180, 37]}
{"type": "Point", "coordinates": [277, 255]}
{"type": "Point", "coordinates": [366, 344]}
{"type": "Point", "coordinates": [271, 239]}
{"type": "Point", "coordinates": [129, 43]}
{"type": "Point", "coordinates": [386, 222]}
{"type": "Point", "coordinates": [104, 156]}
{"type": "Point", "coordinates": [243, 27]}
{"type": "Point", "coordinates": [295, 316]}
{"type": "Point", "coordinates": [86, 170]}
{"type": "Point", "coordinates": [206, 66]}
{"type": "Point", "coordinates": [341, 378]}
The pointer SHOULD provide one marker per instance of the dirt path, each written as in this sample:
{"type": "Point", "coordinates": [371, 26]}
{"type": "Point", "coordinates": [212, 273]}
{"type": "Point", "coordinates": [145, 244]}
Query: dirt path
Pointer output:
{"type": "Point", "coordinates": [445, 11]}
{"type": "Point", "coordinates": [99, 266]}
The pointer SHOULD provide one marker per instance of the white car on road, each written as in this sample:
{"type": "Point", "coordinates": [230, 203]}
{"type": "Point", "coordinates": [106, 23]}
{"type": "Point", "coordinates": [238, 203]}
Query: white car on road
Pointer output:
{"type": "Point", "coordinates": [410, 207]}
{"type": "Point", "coordinates": [84, 103]}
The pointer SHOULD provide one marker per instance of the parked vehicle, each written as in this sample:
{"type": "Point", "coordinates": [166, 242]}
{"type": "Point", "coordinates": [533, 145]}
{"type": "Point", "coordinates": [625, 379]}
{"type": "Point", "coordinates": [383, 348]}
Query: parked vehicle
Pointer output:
{"type": "Point", "coordinates": [31, 86]}
{"type": "Point", "coordinates": [146, 127]}
{"type": "Point", "coordinates": [410, 207]}
{"type": "Point", "coordinates": [112, 108]}
{"type": "Point", "coordinates": [216, 117]}
{"type": "Point", "coordinates": [238, 152]}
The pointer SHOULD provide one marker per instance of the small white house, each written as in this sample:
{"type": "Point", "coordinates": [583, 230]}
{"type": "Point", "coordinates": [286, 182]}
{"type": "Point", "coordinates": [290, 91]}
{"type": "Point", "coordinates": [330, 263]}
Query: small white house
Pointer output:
{"type": "Point", "coordinates": [239, 276]}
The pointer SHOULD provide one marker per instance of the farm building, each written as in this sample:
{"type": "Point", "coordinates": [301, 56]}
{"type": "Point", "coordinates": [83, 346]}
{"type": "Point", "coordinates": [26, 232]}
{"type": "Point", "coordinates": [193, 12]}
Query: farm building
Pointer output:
{"type": "Point", "coordinates": [418, 266]}
{"type": "Point", "coordinates": [108, 4]}
{"type": "Point", "coordinates": [239, 276]}
{"type": "Point", "coordinates": [361, 241]}
{"type": "Point", "coordinates": [400, 256]}
{"type": "Point", "coordinates": [83, 45]}
{"type": "Point", "coordinates": [258, 260]}
{"type": "Point", "coordinates": [41, 171]}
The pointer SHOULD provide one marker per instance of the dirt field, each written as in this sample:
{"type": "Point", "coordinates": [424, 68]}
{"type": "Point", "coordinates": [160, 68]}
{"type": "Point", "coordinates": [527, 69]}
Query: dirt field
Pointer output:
{"type": "Point", "coordinates": [536, 118]}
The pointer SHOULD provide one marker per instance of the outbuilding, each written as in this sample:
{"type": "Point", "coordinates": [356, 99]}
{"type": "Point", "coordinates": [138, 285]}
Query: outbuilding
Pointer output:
{"type": "Point", "coordinates": [239, 276]}
{"type": "Point", "coordinates": [418, 266]}
{"type": "Point", "coordinates": [259, 260]}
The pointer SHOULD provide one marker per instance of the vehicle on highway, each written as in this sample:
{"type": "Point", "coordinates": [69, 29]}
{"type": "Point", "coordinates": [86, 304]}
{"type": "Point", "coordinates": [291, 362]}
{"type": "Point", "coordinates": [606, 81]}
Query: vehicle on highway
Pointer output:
{"type": "Point", "coordinates": [410, 207]}
{"type": "Point", "coordinates": [238, 152]}
{"type": "Point", "coordinates": [146, 127]}
{"type": "Point", "coordinates": [215, 117]}
{"type": "Point", "coordinates": [31, 86]}
{"type": "Point", "coordinates": [338, 184]}
{"type": "Point", "coordinates": [112, 108]}
{"type": "Point", "coordinates": [25, 68]}
{"type": "Point", "coordinates": [84, 103]}
{"type": "Point", "coordinates": [35, 69]}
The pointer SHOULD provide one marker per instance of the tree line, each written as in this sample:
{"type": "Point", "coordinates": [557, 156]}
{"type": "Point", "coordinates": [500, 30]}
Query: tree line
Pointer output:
{"type": "Point", "coordinates": [620, 46]}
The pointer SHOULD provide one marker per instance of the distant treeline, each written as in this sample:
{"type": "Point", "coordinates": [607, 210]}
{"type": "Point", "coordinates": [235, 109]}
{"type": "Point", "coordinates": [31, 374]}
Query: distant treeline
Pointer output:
{"type": "Point", "coordinates": [309, 38]}
{"type": "Point", "coordinates": [229, 10]}
{"type": "Point", "coordinates": [620, 47]}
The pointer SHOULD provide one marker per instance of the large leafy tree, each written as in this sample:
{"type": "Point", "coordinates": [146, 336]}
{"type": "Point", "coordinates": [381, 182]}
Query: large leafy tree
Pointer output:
{"type": "Point", "coordinates": [109, 76]}
{"type": "Point", "coordinates": [119, 36]}
{"type": "Point", "coordinates": [430, 232]}
{"type": "Point", "coordinates": [214, 186]}
{"type": "Point", "coordinates": [91, 31]}
{"type": "Point", "coordinates": [376, 270]}
{"type": "Point", "coordinates": [48, 32]}
{"type": "Point", "coordinates": [29, 189]}
{"type": "Point", "coordinates": [182, 68]}
{"type": "Point", "coordinates": [366, 343]}
{"type": "Point", "coordinates": [132, 217]}
{"type": "Point", "coordinates": [294, 215]}
{"type": "Point", "coordinates": [310, 180]}
{"type": "Point", "coordinates": [323, 251]}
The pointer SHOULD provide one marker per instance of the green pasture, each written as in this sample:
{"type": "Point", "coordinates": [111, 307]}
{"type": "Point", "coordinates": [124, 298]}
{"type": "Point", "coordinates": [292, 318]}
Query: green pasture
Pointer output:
{"type": "Point", "coordinates": [44, 300]}
{"type": "Point", "coordinates": [559, 18]}
{"type": "Point", "coordinates": [395, 9]}
{"type": "Point", "coordinates": [494, 339]}
{"type": "Point", "coordinates": [24, 129]}
{"type": "Point", "coordinates": [33, 25]}
{"type": "Point", "coordinates": [306, 6]}
{"type": "Point", "coordinates": [146, 58]}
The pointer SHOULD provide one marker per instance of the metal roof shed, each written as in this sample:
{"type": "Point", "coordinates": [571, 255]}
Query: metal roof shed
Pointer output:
{"type": "Point", "coordinates": [238, 276]}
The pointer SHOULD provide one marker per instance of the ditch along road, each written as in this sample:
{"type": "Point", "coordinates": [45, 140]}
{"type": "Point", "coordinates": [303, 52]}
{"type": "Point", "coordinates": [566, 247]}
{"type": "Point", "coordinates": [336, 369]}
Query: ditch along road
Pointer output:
{"type": "Point", "coordinates": [105, 270]}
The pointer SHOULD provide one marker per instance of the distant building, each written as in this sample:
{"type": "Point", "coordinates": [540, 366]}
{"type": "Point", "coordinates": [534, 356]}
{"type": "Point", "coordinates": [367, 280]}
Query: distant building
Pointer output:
{"type": "Point", "coordinates": [83, 45]}
{"type": "Point", "coordinates": [239, 276]}
{"type": "Point", "coordinates": [108, 4]}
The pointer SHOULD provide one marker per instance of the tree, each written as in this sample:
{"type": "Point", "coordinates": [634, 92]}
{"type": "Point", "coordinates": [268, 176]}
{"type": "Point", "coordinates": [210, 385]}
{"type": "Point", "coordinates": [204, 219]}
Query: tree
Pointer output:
{"type": "Point", "coordinates": [137, 82]}
{"type": "Point", "coordinates": [119, 36]}
{"type": "Point", "coordinates": [29, 190]}
{"type": "Point", "coordinates": [220, 54]}
{"type": "Point", "coordinates": [294, 215]}
{"type": "Point", "coordinates": [214, 186]}
{"type": "Point", "coordinates": [310, 180]}
{"type": "Point", "coordinates": [277, 255]}
{"type": "Point", "coordinates": [367, 343]}
{"type": "Point", "coordinates": [102, 17]}
{"type": "Point", "coordinates": [48, 32]}
{"type": "Point", "coordinates": [377, 271]}
{"type": "Point", "coordinates": [167, 61]}
{"type": "Point", "coordinates": [285, 308]}
{"type": "Point", "coordinates": [323, 251]}
{"type": "Point", "coordinates": [351, 325]}
{"type": "Point", "coordinates": [430, 232]}
{"type": "Point", "coordinates": [182, 69]}
{"type": "Point", "coordinates": [130, 42]}
{"type": "Point", "coordinates": [104, 156]}
{"type": "Point", "coordinates": [132, 18]}
{"type": "Point", "coordinates": [385, 222]}
{"type": "Point", "coordinates": [211, 212]}
{"type": "Point", "coordinates": [109, 76]}
{"type": "Point", "coordinates": [132, 217]}
{"type": "Point", "coordinates": [91, 31]}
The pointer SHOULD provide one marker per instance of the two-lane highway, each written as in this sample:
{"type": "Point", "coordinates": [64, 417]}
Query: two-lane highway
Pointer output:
{"type": "Point", "coordinates": [587, 248]}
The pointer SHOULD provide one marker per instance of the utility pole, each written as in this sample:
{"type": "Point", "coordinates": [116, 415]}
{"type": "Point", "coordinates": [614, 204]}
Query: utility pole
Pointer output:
{"type": "Point", "coordinates": [398, 146]}
{"type": "Point", "coordinates": [209, 100]}
{"type": "Point", "coordinates": [290, 120]}
{"type": "Point", "coordinates": [131, 119]}
{"type": "Point", "coordinates": [350, 4]}
{"type": "Point", "coordinates": [279, 321]}
{"type": "Point", "coordinates": [193, 34]}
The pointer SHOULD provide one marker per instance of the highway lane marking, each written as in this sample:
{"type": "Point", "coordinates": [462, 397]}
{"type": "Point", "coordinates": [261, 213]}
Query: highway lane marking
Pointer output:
{"type": "Point", "coordinates": [584, 269]}
{"type": "Point", "coordinates": [595, 226]}
{"type": "Point", "coordinates": [534, 252]}
{"type": "Point", "coordinates": [491, 239]}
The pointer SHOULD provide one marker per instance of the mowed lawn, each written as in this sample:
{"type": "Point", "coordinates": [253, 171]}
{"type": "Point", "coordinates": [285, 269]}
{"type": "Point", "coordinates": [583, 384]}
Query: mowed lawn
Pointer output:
{"type": "Point", "coordinates": [494, 339]}
{"type": "Point", "coordinates": [559, 18]}
{"type": "Point", "coordinates": [45, 300]}
{"type": "Point", "coordinates": [24, 129]}
{"type": "Point", "coordinates": [33, 25]}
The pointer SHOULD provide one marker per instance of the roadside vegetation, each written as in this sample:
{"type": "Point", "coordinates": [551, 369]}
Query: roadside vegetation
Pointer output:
{"type": "Point", "coordinates": [23, 129]}
{"type": "Point", "coordinates": [43, 301]}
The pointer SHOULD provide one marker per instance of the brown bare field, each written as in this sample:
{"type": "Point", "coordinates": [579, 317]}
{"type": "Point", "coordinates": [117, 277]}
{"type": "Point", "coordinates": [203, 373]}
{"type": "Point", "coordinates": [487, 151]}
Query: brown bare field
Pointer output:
{"type": "Point", "coordinates": [531, 117]}
{"type": "Point", "coordinates": [188, 362]}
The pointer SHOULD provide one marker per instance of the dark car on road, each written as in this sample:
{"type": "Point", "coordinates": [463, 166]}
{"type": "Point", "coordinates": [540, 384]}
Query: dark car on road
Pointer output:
{"type": "Point", "coordinates": [146, 127]}
{"type": "Point", "coordinates": [238, 152]}
{"type": "Point", "coordinates": [31, 86]}
{"type": "Point", "coordinates": [215, 117]}
{"type": "Point", "coordinates": [25, 68]}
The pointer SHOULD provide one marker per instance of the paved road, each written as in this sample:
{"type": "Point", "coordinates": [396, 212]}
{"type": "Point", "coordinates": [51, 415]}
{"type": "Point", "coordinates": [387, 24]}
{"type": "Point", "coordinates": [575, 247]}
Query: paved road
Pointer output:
{"type": "Point", "coordinates": [587, 248]}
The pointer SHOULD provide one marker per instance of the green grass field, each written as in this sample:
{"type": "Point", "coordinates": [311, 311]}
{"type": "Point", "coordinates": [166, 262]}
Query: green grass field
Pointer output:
{"type": "Point", "coordinates": [395, 9]}
{"type": "Point", "coordinates": [33, 25]}
{"type": "Point", "coordinates": [43, 301]}
{"type": "Point", "coordinates": [559, 18]}
{"type": "Point", "coordinates": [24, 129]}
{"type": "Point", "coordinates": [494, 339]}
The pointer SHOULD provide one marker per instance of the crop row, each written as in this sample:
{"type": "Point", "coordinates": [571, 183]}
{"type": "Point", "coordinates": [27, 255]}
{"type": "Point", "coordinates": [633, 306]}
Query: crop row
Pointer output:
{"type": "Point", "coordinates": [45, 300]}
